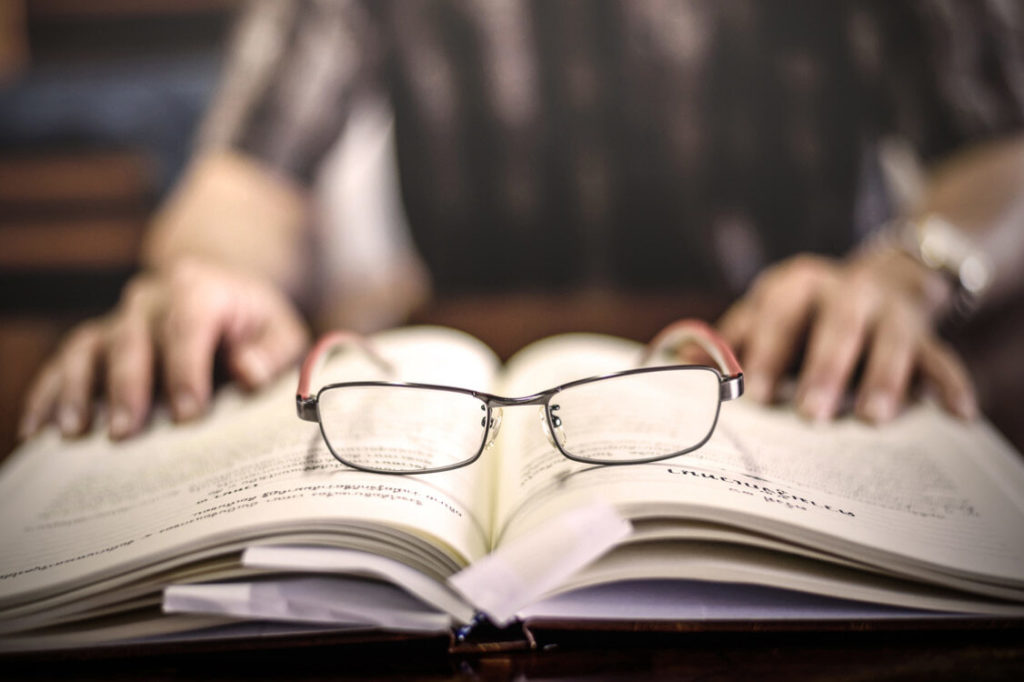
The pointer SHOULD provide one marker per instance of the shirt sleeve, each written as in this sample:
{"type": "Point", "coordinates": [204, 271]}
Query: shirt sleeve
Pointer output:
{"type": "Point", "coordinates": [946, 72]}
{"type": "Point", "coordinates": [292, 72]}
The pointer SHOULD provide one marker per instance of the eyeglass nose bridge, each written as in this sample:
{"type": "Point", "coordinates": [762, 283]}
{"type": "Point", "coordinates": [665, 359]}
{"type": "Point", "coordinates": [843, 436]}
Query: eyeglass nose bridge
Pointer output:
{"type": "Point", "coordinates": [548, 416]}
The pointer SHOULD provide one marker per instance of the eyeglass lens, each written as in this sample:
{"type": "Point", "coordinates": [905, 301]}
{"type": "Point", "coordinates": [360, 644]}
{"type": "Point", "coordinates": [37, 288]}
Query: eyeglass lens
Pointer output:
{"type": "Point", "coordinates": [636, 417]}
{"type": "Point", "coordinates": [402, 428]}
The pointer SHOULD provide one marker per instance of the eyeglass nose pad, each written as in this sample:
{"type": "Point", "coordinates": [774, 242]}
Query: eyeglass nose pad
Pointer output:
{"type": "Point", "coordinates": [546, 423]}
{"type": "Point", "coordinates": [493, 426]}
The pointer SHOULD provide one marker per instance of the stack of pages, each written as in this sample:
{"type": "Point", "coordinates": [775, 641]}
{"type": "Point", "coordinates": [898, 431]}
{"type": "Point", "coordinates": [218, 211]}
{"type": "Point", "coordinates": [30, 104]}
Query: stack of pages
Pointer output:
{"type": "Point", "coordinates": [243, 522]}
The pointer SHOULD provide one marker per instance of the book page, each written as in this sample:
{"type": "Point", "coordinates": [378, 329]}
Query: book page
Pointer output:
{"type": "Point", "coordinates": [529, 462]}
{"type": "Point", "coordinates": [681, 600]}
{"type": "Point", "coordinates": [924, 491]}
{"type": "Point", "coordinates": [249, 472]}
{"type": "Point", "coordinates": [721, 563]}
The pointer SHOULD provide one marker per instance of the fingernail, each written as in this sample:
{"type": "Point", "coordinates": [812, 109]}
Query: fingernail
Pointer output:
{"type": "Point", "coordinates": [70, 420]}
{"type": "Point", "coordinates": [756, 386]}
{"type": "Point", "coordinates": [966, 407]}
{"type": "Point", "coordinates": [879, 407]}
{"type": "Point", "coordinates": [120, 423]}
{"type": "Point", "coordinates": [185, 406]}
{"type": "Point", "coordinates": [818, 404]}
{"type": "Point", "coordinates": [254, 366]}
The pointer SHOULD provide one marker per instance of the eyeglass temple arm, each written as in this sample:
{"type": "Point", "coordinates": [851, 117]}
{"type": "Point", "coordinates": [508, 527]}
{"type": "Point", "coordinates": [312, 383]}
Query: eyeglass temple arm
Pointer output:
{"type": "Point", "coordinates": [324, 345]}
{"type": "Point", "coordinates": [678, 334]}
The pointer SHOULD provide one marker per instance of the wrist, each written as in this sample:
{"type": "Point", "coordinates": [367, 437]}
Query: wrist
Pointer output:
{"type": "Point", "coordinates": [897, 272]}
{"type": "Point", "coordinates": [935, 262]}
{"type": "Point", "coordinates": [938, 245]}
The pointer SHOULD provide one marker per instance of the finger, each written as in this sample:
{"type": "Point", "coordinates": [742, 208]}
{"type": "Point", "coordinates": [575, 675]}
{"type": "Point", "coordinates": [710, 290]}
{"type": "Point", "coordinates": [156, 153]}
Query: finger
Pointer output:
{"type": "Point", "coordinates": [129, 374]}
{"type": "Point", "coordinates": [693, 354]}
{"type": "Point", "coordinates": [889, 366]}
{"type": "Point", "coordinates": [190, 333]}
{"type": "Point", "coordinates": [78, 379]}
{"type": "Point", "coordinates": [258, 356]}
{"type": "Point", "coordinates": [734, 325]}
{"type": "Point", "coordinates": [777, 328]}
{"type": "Point", "coordinates": [836, 340]}
{"type": "Point", "coordinates": [942, 367]}
{"type": "Point", "coordinates": [41, 401]}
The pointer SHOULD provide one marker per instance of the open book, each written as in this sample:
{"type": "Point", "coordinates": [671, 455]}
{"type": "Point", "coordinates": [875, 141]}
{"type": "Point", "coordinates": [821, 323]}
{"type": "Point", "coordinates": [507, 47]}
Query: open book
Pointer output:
{"type": "Point", "coordinates": [247, 515]}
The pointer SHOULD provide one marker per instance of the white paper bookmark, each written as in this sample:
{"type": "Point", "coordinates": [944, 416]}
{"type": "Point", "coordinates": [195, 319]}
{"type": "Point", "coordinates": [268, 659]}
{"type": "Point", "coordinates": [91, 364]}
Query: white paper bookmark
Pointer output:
{"type": "Point", "coordinates": [328, 600]}
{"type": "Point", "coordinates": [520, 572]}
{"type": "Point", "coordinates": [333, 560]}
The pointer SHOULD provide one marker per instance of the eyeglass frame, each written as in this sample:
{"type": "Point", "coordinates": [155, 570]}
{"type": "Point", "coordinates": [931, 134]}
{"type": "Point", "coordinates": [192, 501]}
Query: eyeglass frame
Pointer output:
{"type": "Point", "coordinates": [672, 337]}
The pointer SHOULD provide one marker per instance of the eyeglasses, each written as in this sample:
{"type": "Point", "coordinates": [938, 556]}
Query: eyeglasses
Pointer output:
{"type": "Point", "coordinates": [628, 417]}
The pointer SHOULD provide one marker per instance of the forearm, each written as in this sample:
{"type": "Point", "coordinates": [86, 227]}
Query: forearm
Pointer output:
{"type": "Point", "coordinates": [231, 210]}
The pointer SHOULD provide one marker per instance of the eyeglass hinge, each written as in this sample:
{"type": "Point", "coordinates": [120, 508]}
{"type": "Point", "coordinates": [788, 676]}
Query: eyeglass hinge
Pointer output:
{"type": "Point", "coordinates": [306, 408]}
{"type": "Point", "coordinates": [731, 388]}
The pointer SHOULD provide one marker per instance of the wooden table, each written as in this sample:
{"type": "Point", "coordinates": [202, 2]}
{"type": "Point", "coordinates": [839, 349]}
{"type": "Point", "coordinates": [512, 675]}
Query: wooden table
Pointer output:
{"type": "Point", "coordinates": [745, 653]}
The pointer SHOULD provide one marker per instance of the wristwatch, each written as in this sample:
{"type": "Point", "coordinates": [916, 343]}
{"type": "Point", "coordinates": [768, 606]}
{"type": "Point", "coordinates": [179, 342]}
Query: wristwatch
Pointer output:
{"type": "Point", "coordinates": [941, 246]}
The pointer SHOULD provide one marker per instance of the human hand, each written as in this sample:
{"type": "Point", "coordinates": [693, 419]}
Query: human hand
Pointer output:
{"type": "Point", "coordinates": [879, 308]}
{"type": "Point", "coordinates": [176, 321]}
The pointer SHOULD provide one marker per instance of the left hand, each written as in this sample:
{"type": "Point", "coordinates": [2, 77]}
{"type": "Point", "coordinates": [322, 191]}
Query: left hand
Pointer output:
{"type": "Point", "coordinates": [879, 307]}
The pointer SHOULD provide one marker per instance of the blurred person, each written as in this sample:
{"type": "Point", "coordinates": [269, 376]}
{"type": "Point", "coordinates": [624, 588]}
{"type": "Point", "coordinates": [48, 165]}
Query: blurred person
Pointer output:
{"type": "Point", "coordinates": [492, 146]}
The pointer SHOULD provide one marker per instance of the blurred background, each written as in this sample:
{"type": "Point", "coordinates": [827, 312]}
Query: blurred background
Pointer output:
{"type": "Point", "coordinates": [98, 105]}
{"type": "Point", "coordinates": [99, 102]}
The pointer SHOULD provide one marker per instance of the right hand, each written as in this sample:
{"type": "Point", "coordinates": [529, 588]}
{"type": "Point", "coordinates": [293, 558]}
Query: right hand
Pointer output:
{"type": "Point", "coordinates": [176, 321]}
{"type": "Point", "coordinates": [878, 309]}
